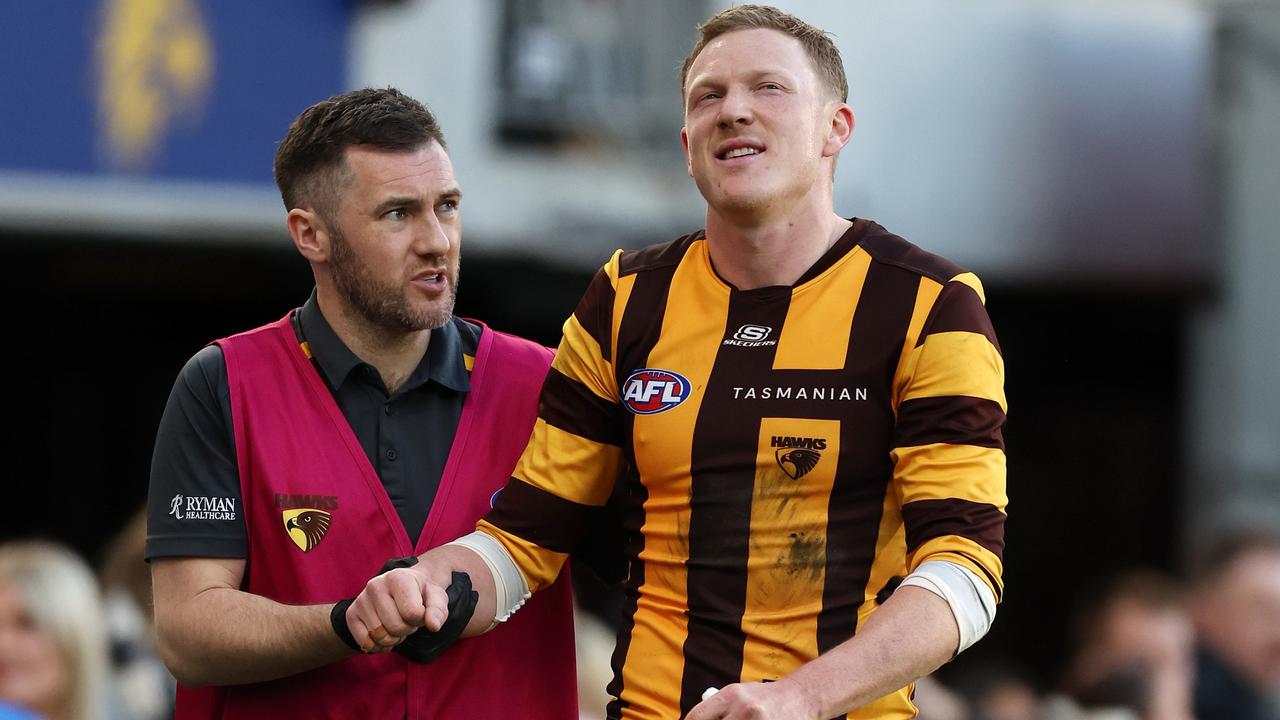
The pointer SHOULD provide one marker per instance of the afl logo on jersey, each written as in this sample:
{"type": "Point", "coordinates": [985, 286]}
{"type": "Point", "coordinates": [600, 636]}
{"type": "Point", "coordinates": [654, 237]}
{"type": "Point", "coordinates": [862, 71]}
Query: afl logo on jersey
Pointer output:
{"type": "Point", "coordinates": [651, 390]}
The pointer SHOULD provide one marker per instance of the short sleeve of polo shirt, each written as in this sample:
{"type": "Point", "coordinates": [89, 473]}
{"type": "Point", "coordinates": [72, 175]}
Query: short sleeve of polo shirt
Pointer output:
{"type": "Point", "coordinates": [195, 459]}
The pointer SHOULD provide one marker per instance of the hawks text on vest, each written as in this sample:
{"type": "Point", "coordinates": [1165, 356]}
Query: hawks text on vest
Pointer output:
{"type": "Point", "coordinates": [321, 502]}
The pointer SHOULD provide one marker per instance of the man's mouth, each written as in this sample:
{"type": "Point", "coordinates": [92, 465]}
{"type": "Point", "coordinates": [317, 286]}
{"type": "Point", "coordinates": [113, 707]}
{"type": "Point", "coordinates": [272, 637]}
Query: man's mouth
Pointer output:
{"type": "Point", "coordinates": [737, 149]}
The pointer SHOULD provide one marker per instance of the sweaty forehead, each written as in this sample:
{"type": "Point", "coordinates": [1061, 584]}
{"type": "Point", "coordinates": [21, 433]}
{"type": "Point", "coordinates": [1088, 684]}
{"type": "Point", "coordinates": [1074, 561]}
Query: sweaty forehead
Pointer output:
{"type": "Point", "coordinates": [751, 50]}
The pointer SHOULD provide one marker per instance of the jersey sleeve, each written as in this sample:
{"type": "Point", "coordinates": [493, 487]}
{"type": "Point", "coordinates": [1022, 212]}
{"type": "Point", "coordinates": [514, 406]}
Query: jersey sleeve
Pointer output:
{"type": "Point", "coordinates": [948, 455]}
{"type": "Point", "coordinates": [567, 471]}
{"type": "Point", "coordinates": [195, 456]}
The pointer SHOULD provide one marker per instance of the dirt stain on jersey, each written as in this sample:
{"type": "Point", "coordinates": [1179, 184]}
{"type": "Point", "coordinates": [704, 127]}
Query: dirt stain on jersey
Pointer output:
{"type": "Point", "coordinates": [773, 485]}
{"type": "Point", "coordinates": [806, 555]}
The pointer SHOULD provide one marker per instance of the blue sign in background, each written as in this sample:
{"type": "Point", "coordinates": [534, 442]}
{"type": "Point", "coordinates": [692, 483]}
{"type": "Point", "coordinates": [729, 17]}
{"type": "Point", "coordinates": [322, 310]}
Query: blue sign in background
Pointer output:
{"type": "Point", "coordinates": [183, 89]}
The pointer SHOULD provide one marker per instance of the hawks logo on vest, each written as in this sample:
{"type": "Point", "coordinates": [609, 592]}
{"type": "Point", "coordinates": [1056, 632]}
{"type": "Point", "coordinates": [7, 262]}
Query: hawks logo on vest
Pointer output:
{"type": "Point", "coordinates": [797, 455]}
{"type": "Point", "coordinates": [652, 390]}
{"type": "Point", "coordinates": [304, 521]}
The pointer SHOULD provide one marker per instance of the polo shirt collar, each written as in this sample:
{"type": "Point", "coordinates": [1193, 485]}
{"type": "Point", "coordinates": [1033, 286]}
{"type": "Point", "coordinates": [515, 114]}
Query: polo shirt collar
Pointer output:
{"type": "Point", "coordinates": [442, 363]}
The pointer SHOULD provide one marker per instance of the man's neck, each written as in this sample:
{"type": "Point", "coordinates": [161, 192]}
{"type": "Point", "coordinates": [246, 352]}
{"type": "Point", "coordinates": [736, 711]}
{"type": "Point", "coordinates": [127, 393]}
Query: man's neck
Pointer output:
{"type": "Point", "coordinates": [775, 251]}
{"type": "Point", "coordinates": [395, 354]}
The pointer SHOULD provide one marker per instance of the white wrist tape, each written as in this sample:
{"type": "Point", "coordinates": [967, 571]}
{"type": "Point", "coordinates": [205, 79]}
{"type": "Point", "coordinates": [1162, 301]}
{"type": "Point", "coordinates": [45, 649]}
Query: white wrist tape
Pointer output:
{"type": "Point", "coordinates": [510, 588]}
{"type": "Point", "coordinates": [972, 602]}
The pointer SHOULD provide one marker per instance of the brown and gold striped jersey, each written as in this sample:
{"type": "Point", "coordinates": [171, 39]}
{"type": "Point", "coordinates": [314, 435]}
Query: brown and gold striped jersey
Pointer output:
{"type": "Point", "coordinates": [789, 454]}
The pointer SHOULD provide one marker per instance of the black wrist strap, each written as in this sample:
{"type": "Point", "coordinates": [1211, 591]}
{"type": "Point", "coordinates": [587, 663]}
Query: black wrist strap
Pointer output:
{"type": "Point", "coordinates": [338, 619]}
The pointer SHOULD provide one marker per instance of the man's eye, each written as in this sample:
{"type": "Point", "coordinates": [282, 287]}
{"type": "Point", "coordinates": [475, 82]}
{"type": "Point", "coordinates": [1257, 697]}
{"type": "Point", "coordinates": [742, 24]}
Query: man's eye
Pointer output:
{"type": "Point", "coordinates": [397, 214]}
{"type": "Point", "coordinates": [449, 206]}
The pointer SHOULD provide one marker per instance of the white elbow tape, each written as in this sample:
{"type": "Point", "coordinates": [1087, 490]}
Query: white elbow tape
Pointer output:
{"type": "Point", "coordinates": [972, 602]}
{"type": "Point", "coordinates": [510, 588]}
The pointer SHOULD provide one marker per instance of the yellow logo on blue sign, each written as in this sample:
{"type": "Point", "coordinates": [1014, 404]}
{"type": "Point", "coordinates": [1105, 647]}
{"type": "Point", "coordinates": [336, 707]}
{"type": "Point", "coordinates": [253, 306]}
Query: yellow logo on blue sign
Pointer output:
{"type": "Point", "coordinates": [155, 62]}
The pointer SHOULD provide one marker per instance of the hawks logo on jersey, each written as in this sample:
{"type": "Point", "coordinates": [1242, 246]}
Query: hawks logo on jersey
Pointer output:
{"type": "Point", "coordinates": [652, 390]}
{"type": "Point", "coordinates": [797, 455]}
{"type": "Point", "coordinates": [305, 522]}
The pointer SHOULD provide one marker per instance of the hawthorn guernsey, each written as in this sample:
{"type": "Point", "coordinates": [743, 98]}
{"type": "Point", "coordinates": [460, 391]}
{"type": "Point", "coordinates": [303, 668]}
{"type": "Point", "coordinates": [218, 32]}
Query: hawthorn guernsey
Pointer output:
{"type": "Point", "coordinates": [774, 507]}
{"type": "Point", "coordinates": [650, 390]}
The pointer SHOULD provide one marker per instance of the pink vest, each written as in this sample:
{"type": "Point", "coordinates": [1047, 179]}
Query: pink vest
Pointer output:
{"type": "Point", "coordinates": [301, 468]}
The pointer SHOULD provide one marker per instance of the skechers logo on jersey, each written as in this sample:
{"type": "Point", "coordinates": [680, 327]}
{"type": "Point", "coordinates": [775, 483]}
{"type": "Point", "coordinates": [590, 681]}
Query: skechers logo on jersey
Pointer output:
{"type": "Point", "coordinates": [797, 455]}
{"type": "Point", "coordinates": [652, 390]}
{"type": "Point", "coordinates": [751, 336]}
{"type": "Point", "coordinates": [188, 507]}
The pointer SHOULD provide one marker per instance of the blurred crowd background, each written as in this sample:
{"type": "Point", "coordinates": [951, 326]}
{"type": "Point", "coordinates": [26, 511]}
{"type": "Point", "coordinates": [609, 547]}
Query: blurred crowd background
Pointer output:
{"type": "Point", "coordinates": [1109, 168]}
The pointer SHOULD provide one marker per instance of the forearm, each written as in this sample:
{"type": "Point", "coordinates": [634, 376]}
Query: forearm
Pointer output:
{"type": "Point", "coordinates": [222, 636]}
{"type": "Point", "coordinates": [441, 562]}
{"type": "Point", "coordinates": [910, 636]}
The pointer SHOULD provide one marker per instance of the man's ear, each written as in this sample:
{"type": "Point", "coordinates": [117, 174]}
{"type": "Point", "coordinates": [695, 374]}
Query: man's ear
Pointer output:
{"type": "Point", "coordinates": [841, 130]}
{"type": "Point", "coordinates": [684, 145]}
{"type": "Point", "coordinates": [309, 234]}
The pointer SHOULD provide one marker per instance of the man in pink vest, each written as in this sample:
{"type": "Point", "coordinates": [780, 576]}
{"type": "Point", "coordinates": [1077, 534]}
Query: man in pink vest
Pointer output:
{"type": "Point", "coordinates": [294, 460]}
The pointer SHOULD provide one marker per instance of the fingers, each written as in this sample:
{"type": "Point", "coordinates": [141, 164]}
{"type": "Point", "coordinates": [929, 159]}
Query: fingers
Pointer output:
{"type": "Point", "coordinates": [709, 708]}
{"type": "Point", "coordinates": [410, 603]}
{"type": "Point", "coordinates": [756, 701]}
{"type": "Point", "coordinates": [436, 610]}
{"type": "Point", "coordinates": [383, 640]}
{"type": "Point", "coordinates": [359, 631]}
{"type": "Point", "coordinates": [390, 607]}
{"type": "Point", "coordinates": [399, 602]}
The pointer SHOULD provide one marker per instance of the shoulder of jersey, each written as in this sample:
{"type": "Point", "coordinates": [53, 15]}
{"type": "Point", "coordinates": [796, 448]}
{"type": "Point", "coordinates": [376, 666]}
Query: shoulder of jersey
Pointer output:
{"type": "Point", "coordinates": [885, 247]}
{"type": "Point", "coordinates": [658, 256]}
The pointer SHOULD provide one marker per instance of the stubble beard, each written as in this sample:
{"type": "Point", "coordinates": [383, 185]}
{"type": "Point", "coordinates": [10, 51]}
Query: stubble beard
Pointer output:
{"type": "Point", "coordinates": [381, 304]}
{"type": "Point", "coordinates": [747, 199]}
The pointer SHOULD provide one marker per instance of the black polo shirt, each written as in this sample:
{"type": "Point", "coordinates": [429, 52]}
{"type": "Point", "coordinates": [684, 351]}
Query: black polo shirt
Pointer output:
{"type": "Point", "coordinates": [406, 435]}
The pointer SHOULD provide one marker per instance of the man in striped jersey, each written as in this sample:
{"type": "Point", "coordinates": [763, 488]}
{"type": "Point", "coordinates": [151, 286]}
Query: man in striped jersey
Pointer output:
{"type": "Point", "coordinates": [806, 412]}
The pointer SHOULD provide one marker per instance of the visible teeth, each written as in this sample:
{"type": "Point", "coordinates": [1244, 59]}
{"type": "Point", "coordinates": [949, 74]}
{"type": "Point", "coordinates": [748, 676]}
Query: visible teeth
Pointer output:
{"type": "Point", "coordinates": [740, 152]}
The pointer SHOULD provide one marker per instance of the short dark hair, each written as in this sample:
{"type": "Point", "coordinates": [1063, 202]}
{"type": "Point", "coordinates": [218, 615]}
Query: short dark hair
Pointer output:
{"type": "Point", "coordinates": [817, 43]}
{"type": "Point", "coordinates": [310, 163]}
{"type": "Point", "coordinates": [1213, 561]}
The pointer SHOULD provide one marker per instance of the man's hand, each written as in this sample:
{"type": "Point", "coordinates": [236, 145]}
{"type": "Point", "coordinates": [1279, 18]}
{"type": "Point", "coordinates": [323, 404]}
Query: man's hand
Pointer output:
{"type": "Point", "coordinates": [781, 700]}
{"type": "Point", "coordinates": [396, 603]}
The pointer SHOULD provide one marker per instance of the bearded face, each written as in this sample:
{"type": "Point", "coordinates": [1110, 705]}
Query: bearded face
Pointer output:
{"type": "Point", "coordinates": [386, 300]}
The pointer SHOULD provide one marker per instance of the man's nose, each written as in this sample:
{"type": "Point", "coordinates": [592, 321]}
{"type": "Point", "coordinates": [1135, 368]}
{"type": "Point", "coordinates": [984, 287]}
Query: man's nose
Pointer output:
{"type": "Point", "coordinates": [735, 108]}
{"type": "Point", "coordinates": [430, 236]}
